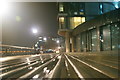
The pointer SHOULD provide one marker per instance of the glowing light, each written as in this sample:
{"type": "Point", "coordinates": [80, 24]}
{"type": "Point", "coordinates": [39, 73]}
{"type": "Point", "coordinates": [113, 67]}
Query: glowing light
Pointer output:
{"type": "Point", "coordinates": [59, 57]}
{"type": "Point", "coordinates": [59, 47]}
{"type": "Point", "coordinates": [36, 45]}
{"type": "Point", "coordinates": [34, 30]}
{"type": "Point", "coordinates": [4, 7]}
{"type": "Point", "coordinates": [28, 61]}
{"type": "Point", "coordinates": [58, 41]}
{"type": "Point", "coordinates": [116, 5]}
{"type": "Point", "coordinates": [36, 76]}
{"type": "Point", "coordinates": [45, 39]}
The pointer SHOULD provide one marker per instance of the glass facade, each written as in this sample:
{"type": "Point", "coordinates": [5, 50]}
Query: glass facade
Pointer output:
{"type": "Point", "coordinates": [94, 40]}
{"type": "Point", "coordinates": [115, 34]}
{"type": "Point", "coordinates": [105, 38]}
{"type": "Point", "coordinates": [83, 42]}
{"type": "Point", "coordinates": [88, 41]}
{"type": "Point", "coordinates": [109, 36]}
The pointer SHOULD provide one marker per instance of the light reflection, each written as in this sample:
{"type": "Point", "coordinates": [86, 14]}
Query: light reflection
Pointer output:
{"type": "Point", "coordinates": [59, 57]}
{"type": "Point", "coordinates": [28, 60]}
{"type": "Point", "coordinates": [30, 68]}
{"type": "Point", "coordinates": [53, 59]}
{"type": "Point", "coordinates": [41, 58]}
{"type": "Point", "coordinates": [36, 76]}
{"type": "Point", "coordinates": [46, 70]}
{"type": "Point", "coordinates": [42, 62]}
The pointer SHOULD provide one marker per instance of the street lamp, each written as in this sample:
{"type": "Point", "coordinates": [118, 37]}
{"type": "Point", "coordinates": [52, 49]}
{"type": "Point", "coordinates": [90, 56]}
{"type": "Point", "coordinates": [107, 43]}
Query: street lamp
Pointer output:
{"type": "Point", "coordinates": [34, 30]}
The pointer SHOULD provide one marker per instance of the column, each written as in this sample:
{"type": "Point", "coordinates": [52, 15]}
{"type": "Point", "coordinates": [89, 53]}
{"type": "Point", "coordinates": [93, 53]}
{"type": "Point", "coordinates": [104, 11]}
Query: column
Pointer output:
{"type": "Point", "coordinates": [67, 41]}
{"type": "Point", "coordinates": [73, 44]}
{"type": "Point", "coordinates": [98, 39]}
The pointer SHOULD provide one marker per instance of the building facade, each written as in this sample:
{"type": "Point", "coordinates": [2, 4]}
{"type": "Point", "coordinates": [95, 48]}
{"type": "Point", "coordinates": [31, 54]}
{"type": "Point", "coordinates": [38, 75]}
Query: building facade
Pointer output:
{"type": "Point", "coordinates": [73, 15]}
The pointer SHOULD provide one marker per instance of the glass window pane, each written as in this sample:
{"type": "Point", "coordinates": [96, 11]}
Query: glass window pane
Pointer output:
{"type": "Point", "coordinates": [94, 40]}
{"type": "Point", "coordinates": [115, 31]}
{"type": "Point", "coordinates": [105, 38]}
{"type": "Point", "coordinates": [83, 42]}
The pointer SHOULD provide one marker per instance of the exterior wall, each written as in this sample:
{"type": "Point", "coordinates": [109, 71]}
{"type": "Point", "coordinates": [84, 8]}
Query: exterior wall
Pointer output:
{"type": "Point", "coordinates": [88, 10]}
{"type": "Point", "coordinates": [99, 34]}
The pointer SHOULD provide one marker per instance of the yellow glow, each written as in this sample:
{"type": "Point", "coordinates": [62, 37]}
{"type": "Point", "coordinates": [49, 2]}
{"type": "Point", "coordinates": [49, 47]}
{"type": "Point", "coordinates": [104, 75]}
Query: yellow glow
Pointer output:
{"type": "Point", "coordinates": [81, 13]}
{"type": "Point", "coordinates": [77, 19]}
{"type": "Point", "coordinates": [4, 7]}
{"type": "Point", "coordinates": [61, 19]}
{"type": "Point", "coordinates": [83, 19]}
{"type": "Point", "coordinates": [61, 9]}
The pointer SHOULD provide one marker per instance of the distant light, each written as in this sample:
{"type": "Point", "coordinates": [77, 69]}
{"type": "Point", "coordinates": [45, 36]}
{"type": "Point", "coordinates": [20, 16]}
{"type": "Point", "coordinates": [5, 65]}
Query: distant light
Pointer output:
{"type": "Point", "coordinates": [58, 41]}
{"type": "Point", "coordinates": [4, 7]}
{"type": "Point", "coordinates": [34, 31]}
{"type": "Point", "coordinates": [101, 6]}
{"type": "Point", "coordinates": [81, 10]}
{"type": "Point", "coordinates": [36, 45]}
{"type": "Point", "coordinates": [45, 39]}
{"type": "Point", "coordinates": [40, 40]}
{"type": "Point", "coordinates": [40, 37]}
{"type": "Point", "coordinates": [116, 4]}
{"type": "Point", "coordinates": [59, 47]}
{"type": "Point", "coordinates": [75, 13]}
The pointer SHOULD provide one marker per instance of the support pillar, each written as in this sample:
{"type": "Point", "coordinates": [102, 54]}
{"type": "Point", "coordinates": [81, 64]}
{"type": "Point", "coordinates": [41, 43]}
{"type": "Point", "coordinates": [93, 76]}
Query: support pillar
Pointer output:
{"type": "Point", "coordinates": [67, 42]}
{"type": "Point", "coordinates": [73, 44]}
{"type": "Point", "coordinates": [98, 39]}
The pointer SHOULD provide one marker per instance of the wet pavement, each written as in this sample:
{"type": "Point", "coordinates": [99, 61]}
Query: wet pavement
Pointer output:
{"type": "Point", "coordinates": [82, 66]}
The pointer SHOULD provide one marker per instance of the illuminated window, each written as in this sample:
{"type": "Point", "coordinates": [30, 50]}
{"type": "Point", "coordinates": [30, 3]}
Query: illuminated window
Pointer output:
{"type": "Point", "coordinates": [61, 9]}
{"type": "Point", "coordinates": [61, 23]}
{"type": "Point", "coordinates": [75, 21]}
{"type": "Point", "coordinates": [81, 13]}
{"type": "Point", "coordinates": [61, 19]}
{"type": "Point", "coordinates": [83, 19]}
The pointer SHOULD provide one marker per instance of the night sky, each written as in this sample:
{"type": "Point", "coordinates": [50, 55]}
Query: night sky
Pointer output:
{"type": "Point", "coordinates": [22, 17]}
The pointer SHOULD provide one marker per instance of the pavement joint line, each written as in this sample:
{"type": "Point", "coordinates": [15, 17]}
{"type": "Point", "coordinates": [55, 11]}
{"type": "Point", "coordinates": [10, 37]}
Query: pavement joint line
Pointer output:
{"type": "Point", "coordinates": [76, 70]}
{"type": "Point", "coordinates": [111, 61]}
{"type": "Point", "coordinates": [99, 63]}
{"type": "Point", "coordinates": [29, 73]}
{"type": "Point", "coordinates": [66, 64]}
{"type": "Point", "coordinates": [103, 64]}
{"type": "Point", "coordinates": [17, 69]}
{"type": "Point", "coordinates": [91, 66]}
{"type": "Point", "coordinates": [51, 74]}
{"type": "Point", "coordinates": [19, 64]}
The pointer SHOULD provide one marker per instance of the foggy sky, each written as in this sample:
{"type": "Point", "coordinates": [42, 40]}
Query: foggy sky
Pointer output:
{"type": "Point", "coordinates": [22, 17]}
